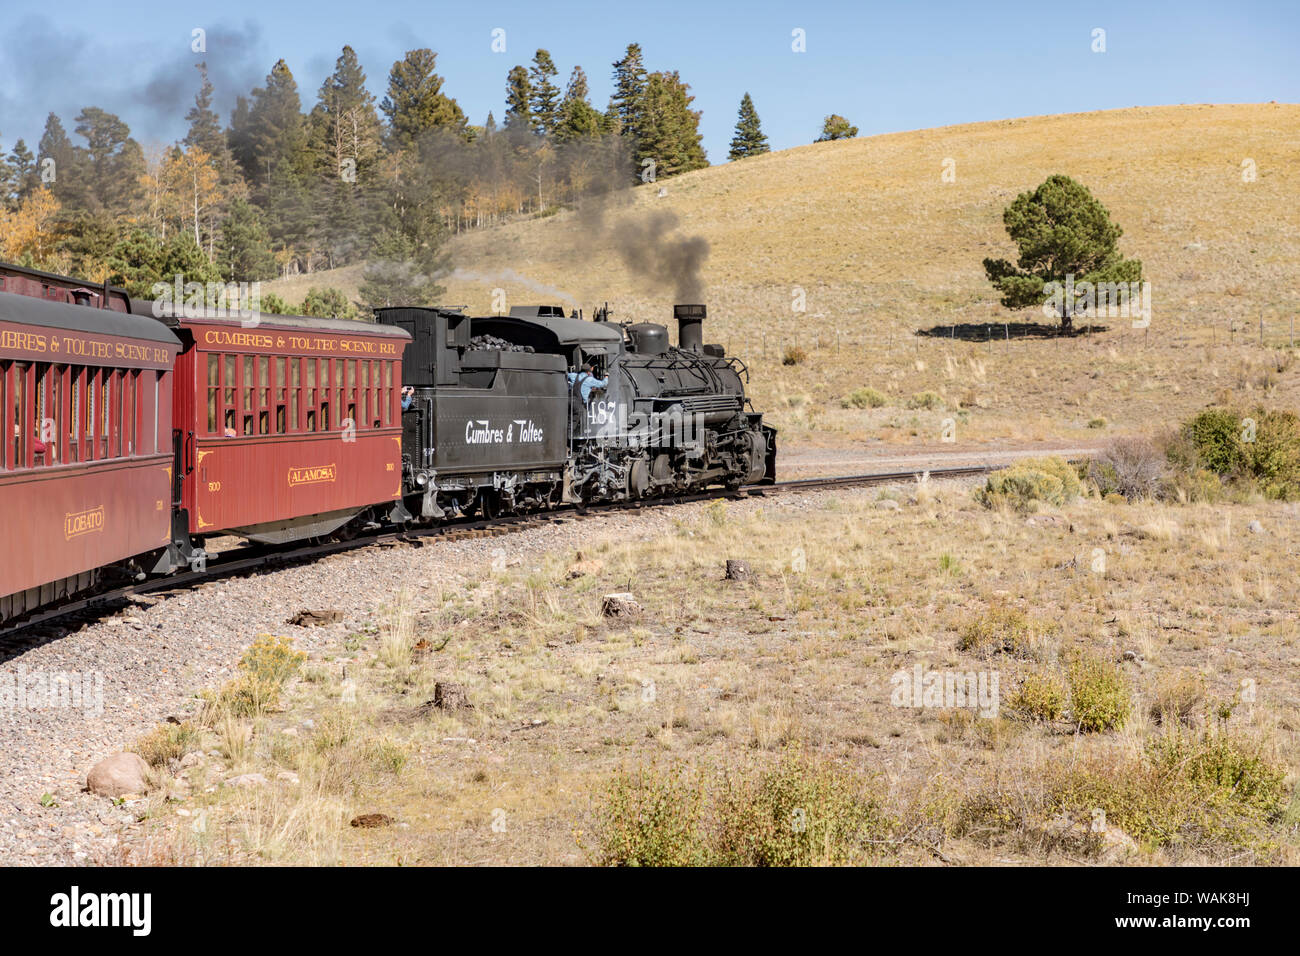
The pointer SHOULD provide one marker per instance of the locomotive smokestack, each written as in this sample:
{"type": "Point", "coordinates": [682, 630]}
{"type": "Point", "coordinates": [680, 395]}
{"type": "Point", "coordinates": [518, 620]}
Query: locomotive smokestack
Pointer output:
{"type": "Point", "coordinates": [690, 326]}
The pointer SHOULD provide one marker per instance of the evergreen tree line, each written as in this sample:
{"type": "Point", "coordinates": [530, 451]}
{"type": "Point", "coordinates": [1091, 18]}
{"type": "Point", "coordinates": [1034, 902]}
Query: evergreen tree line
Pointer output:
{"type": "Point", "coordinates": [281, 191]}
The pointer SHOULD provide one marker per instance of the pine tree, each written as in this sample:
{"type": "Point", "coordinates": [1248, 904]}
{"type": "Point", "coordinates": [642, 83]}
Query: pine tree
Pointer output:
{"type": "Point", "coordinates": [670, 134]}
{"type": "Point", "coordinates": [1060, 230]}
{"type": "Point", "coordinates": [275, 130]}
{"type": "Point", "coordinates": [205, 125]}
{"type": "Point", "coordinates": [239, 136]}
{"type": "Point", "coordinates": [415, 102]}
{"type": "Point", "coordinates": [136, 262]}
{"type": "Point", "coordinates": [205, 129]}
{"type": "Point", "coordinates": [344, 141]}
{"type": "Point", "coordinates": [115, 161]}
{"type": "Point", "coordinates": [519, 101]}
{"type": "Point", "coordinates": [245, 250]}
{"type": "Point", "coordinates": [629, 91]}
{"type": "Point", "coordinates": [836, 127]}
{"type": "Point", "coordinates": [577, 118]}
{"type": "Point", "coordinates": [26, 175]}
{"type": "Point", "coordinates": [576, 90]}
{"type": "Point", "coordinates": [59, 165]}
{"type": "Point", "coordinates": [749, 139]}
{"type": "Point", "coordinates": [490, 126]}
{"type": "Point", "coordinates": [545, 99]}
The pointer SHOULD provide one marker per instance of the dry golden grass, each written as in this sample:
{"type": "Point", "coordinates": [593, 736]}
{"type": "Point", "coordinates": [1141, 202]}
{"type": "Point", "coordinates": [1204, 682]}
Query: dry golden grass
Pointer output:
{"type": "Point", "coordinates": [721, 674]}
{"type": "Point", "coordinates": [881, 246]}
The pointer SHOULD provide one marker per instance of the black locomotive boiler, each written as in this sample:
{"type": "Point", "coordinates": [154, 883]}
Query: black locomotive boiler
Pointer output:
{"type": "Point", "coordinates": [498, 423]}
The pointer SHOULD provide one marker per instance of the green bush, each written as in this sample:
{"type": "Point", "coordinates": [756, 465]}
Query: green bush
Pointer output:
{"type": "Point", "coordinates": [1214, 436]}
{"type": "Point", "coordinates": [1274, 456]}
{"type": "Point", "coordinates": [1099, 694]}
{"type": "Point", "coordinates": [1255, 453]}
{"type": "Point", "coordinates": [327, 303]}
{"type": "Point", "coordinates": [864, 398]}
{"type": "Point", "coordinates": [1007, 630]}
{"type": "Point", "coordinates": [1027, 483]}
{"type": "Point", "coordinates": [651, 818]}
{"type": "Point", "coordinates": [1212, 791]}
{"type": "Point", "coordinates": [1058, 468]}
{"type": "Point", "coordinates": [801, 812]}
{"type": "Point", "coordinates": [1040, 696]}
{"type": "Point", "coordinates": [926, 400]}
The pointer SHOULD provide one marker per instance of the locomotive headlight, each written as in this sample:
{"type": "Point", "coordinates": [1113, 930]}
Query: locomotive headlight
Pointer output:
{"type": "Point", "coordinates": [422, 479]}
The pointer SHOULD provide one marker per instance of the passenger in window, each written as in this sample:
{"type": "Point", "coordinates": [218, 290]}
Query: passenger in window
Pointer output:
{"type": "Point", "coordinates": [230, 424]}
{"type": "Point", "coordinates": [38, 446]}
{"type": "Point", "coordinates": [408, 396]}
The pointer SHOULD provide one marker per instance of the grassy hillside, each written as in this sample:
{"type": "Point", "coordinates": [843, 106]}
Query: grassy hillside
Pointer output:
{"type": "Point", "coordinates": [881, 246]}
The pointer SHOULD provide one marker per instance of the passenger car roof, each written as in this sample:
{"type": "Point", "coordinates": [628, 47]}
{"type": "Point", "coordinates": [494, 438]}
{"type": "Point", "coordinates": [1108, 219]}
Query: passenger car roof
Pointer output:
{"type": "Point", "coordinates": [29, 310]}
{"type": "Point", "coordinates": [270, 321]}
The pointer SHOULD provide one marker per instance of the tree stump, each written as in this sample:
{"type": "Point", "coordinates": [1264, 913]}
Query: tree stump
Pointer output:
{"type": "Point", "coordinates": [737, 570]}
{"type": "Point", "coordinates": [451, 697]}
{"type": "Point", "coordinates": [622, 604]}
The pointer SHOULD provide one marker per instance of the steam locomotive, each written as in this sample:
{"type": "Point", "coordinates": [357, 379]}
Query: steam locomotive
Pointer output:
{"type": "Point", "coordinates": [134, 436]}
{"type": "Point", "coordinates": [498, 424]}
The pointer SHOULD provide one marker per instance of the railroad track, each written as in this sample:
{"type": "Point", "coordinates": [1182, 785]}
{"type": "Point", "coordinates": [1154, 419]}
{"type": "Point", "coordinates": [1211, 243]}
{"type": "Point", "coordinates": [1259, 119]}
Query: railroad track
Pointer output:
{"type": "Point", "coordinates": [243, 560]}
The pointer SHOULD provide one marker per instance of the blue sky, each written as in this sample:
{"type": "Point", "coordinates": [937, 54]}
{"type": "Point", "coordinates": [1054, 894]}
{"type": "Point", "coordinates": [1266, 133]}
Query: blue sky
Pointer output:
{"type": "Point", "coordinates": [886, 66]}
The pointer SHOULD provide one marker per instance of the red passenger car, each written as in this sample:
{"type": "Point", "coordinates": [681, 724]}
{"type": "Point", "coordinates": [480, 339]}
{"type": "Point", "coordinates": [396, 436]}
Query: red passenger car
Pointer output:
{"type": "Point", "coordinates": [290, 427]}
{"type": "Point", "coordinates": [86, 439]}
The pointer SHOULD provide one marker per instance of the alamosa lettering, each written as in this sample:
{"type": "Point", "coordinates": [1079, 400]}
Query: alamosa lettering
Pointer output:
{"type": "Point", "coordinates": [83, 522]}
{"type": "Point", "coordinates": [312, 475]}
{"type": "Point", "coordinates": [521, 430]}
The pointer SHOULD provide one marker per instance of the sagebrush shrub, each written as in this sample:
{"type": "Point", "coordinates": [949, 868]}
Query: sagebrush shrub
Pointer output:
{"type": "Point", "coordinates": [866, 397]}
{"type": "Point", "coordinates": [1099, 694]}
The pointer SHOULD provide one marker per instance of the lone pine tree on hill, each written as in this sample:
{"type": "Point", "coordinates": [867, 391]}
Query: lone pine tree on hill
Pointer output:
{"type": "Point", "coordinates": [749, 139]}
{"type": "Point", "coordinates": [1062, 232]}
{"type": "Point", "coordinates": [836, 126]}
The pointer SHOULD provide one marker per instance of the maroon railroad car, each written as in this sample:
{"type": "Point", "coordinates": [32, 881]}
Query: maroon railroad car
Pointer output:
{"type": "Point", "coordinates": [290, 427]}
{"type": "Point", "coordinates": [86, 452]}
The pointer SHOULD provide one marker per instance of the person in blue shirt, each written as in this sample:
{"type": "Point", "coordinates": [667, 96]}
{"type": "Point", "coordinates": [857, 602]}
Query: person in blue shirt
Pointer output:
{"type": "Point", "coordinates": [408, 396]}
{"type": "Point", "coordinates": [588, 380]}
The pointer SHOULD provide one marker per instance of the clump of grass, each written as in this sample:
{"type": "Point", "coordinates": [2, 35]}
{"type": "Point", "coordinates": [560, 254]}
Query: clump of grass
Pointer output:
{"type": "Point", "coordinates": [715, 513]}
{"type": "Point", "coordinates": [1003, 629]}
{"type": "Point", "coordinates": [264, 669]}
{"type": "Point", "coordinates": [926, 400]}
{"type": "Point", "coordinates": [1097, 422]}
{"type": "Point", "coordinates": [1213, 792]}
{"type": "Point", "coordinates": [1208, 790]}
{"type": "Point", "coordinates": [794, 355]}
{"type": "Point", "coordinates": [866, 397]}
{"type": "Point", "coordinates": [1177, 699]}
{"type": "Point", "coordinates": [168, 742]}
{"type": "Point", "coordinates": [800, 812]}
{"type": "Point", "coordinates": [1040, 696]}
{"type": "Point", "coordinates": [1099, 694]}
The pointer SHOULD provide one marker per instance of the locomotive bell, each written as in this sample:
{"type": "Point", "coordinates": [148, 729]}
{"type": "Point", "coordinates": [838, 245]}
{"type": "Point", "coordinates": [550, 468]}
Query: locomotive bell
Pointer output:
{"type": "Point", "coordinates": [690, 326]}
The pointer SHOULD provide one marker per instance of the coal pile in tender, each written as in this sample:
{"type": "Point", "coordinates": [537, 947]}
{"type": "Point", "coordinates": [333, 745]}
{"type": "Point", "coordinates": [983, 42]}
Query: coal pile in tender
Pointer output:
{"type": "Point", "coordinates": [486, 342]}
